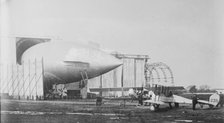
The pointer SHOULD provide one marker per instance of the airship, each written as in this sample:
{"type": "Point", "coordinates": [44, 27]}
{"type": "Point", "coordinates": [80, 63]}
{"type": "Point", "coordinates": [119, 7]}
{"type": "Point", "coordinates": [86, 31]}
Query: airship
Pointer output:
{"type": "Point", "coordinates": [66, 62]}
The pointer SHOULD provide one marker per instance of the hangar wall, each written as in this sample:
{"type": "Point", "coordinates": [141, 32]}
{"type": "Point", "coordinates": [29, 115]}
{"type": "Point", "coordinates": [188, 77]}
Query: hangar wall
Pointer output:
{"type": "Point", "coordinates": [23, 81]}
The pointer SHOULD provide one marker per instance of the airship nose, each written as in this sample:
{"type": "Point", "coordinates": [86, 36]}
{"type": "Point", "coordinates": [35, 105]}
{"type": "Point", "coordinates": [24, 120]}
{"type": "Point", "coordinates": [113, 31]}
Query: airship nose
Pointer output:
{"type": "Point", "coordinates": [105, 63]}
{"type": "Point", "coordinates": [110, 62]}
{"type": "Point", "coordinates": [99, 61]}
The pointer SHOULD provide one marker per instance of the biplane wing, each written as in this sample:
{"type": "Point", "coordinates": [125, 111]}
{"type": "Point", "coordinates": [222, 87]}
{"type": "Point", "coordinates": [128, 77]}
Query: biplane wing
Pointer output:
{"type": "Point", "coordinates": [174, 99]}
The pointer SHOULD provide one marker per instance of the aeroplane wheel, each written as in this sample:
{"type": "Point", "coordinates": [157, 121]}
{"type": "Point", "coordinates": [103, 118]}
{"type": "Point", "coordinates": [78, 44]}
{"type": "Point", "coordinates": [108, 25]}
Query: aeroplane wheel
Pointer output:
{"type": "Point", "coordinates": [211, 106]}
{"type": "Point", "coordinates": [176, 105]}
{"type": "Point", "coordinates": [152, 108]}
{"type": "Point", "coordinates": [201, 105]}
{"type": "Point", "coordinates": [157, 106]}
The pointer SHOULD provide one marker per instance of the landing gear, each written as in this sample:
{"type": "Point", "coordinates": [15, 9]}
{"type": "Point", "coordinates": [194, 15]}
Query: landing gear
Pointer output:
{"type": "Point", "coordinates": [211, 106]}
{"type": "Point", "coordinates": [176, 105]}
{"type": "Point", "coordinates": [154, 107]}
{"type": "Point", "coordinates": [170, 105]}
{"type": "Point", "coordinates": [201, 105]}
{"type": "Point", "coordinates": [84, 80]}
{"type": "Point", "coordinates": [83, 83]}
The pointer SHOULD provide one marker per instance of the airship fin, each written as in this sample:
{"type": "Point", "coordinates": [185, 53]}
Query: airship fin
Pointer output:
{"type": "Point", "coordinates": [23, 43]}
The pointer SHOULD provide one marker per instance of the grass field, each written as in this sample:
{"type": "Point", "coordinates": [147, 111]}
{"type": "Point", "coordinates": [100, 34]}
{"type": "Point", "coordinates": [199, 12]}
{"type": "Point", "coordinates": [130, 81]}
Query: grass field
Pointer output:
{"type": "Point", "coordinates": [85, 111]}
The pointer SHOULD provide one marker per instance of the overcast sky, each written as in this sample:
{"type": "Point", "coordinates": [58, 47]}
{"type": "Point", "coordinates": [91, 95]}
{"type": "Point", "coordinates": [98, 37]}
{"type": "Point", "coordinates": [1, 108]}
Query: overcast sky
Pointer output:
{"type": "Point", "coordinates": [187, 35]}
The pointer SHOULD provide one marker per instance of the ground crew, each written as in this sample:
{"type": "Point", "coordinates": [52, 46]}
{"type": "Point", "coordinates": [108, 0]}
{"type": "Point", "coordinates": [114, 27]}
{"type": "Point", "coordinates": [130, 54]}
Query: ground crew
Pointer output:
{"type": "Point", "coordinates": [170, 95]}
{"type": "Point", "coordinates": [194, 101]}
{"type": "Point", "coordinates": [221, 100]}
{"type": "Point", "coordinates": [140, 98]}
{"type": "Point", "coordinates": [99, 101]}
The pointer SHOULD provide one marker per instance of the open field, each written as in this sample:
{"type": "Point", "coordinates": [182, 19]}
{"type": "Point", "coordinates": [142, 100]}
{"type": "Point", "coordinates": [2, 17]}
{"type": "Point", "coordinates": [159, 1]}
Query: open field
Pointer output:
{"type": "Point", "coordinates": [82, 111]}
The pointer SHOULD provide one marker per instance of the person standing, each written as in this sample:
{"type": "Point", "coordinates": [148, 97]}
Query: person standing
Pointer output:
{"type": "Point", "coordinates": [99, 100]}
{"type": "Point", "coordinates": [194, 101]}
{"type": "Point", "coordinates": [221, 100]}
{"type": "Point", "coordinates": [140, 98]}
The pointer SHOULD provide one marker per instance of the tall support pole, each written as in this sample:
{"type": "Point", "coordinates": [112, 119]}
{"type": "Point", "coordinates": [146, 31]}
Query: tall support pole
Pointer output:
{"type": "Point", "coordinates": [134, 72]}
{"type": "Point", "coordinates": [35, 77]}
{"type": "Point", "coordinates": [101, 85]}
{"type": "Point", "coordinates": [23, 78]}
{"type": "Point", "coordinates": [12, 81]}
{"type": "Point", "coordinates": [145, 72]}
{"type": "Point", "coordinates": [29, 79]}
{"type": "Point", "coordinates": [115, 80]}
{"type": "Point", "coordinates": [42, 64]}
{"type": "Point", "coordinates": [7, 79]}
{"type": "Point", "coordinates": [122, 80]}
{"type": "Point", "coordinates": [1, 78]}
{"type": "Point", "coordinates": [4, 81]}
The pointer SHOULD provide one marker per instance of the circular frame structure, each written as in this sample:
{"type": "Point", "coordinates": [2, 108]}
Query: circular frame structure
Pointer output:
{"type": "Point", "coordinates": [158, 73]}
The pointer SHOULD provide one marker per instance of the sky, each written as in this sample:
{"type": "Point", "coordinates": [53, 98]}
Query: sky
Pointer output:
{"type": "Point", "coordinates": [187, 35]}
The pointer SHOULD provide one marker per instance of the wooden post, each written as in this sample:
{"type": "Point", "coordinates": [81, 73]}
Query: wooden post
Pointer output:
{"type": "Point", "coordinates": [23, 80]}
{"type": "Point", "coordinates": [101, 85]}
{"type": "Point", "coordinates": [122, 80]}
{"type": "Point", "coordinates": [134, 72]}
{"type": "Point", "coordinates": [35, 78]}
{"type": "Point", "coordinates": [7, 77]}
{"type": "Point", "coordinates": [42, 62]}
{"type": "Point", "coordinates": [29, 80]}
{"type": "Point", "coordinates": [1, 76]}
{"type": "Point", "coordinates": [12, 80]}
{"type": "Point", "coordinates": [115, 80]}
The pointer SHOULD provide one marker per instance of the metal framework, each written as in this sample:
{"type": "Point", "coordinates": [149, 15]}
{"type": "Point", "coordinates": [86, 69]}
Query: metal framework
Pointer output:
{"type": "Point", "coordinates": [158, 74]}
{"type": "Point", "coordinates": [22, 81]}
{"type": "Point", "coordinates": [84, 80]}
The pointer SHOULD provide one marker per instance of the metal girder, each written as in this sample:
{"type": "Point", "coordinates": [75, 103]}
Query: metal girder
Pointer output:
{"type": "Point", "coordinates": [166, 74]}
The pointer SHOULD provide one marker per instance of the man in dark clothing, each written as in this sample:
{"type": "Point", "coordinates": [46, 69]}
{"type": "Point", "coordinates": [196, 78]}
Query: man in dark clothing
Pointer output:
{"type": "Point", "coordinates": [221, 100]}
{"type": "Point", "coordinates": [170, 95]}
{"type": "Point", "coordinates": [99, 100]}
{"type": "Point", "coordinates": [194, 101]}
{"type": "Point", "coordinates": [140, 99]}
{"type": "Point", "coordinates": [170, 105]}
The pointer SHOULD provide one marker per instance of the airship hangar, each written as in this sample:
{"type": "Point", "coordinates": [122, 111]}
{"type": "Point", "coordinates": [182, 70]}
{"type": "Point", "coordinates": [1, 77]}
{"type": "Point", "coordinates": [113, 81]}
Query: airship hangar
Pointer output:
{"type": "Point", "coordinates": [44, 69]}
